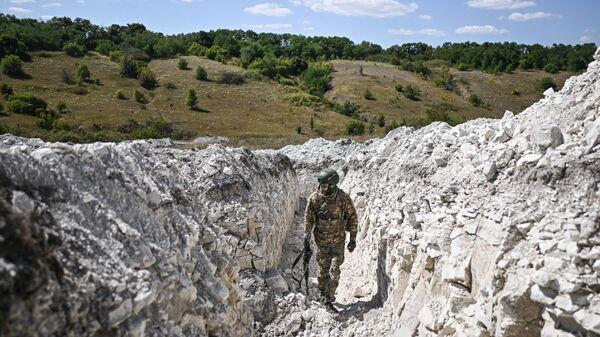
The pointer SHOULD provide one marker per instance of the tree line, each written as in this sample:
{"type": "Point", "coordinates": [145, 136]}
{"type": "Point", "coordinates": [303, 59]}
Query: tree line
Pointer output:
{"type": "Point", "coordinates": [269, 53]}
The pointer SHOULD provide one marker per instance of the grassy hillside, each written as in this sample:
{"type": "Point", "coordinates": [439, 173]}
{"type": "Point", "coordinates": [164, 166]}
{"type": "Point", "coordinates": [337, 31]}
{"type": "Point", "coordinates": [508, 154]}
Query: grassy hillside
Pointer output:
{"type": "Point", "coordinates": [254, 114]}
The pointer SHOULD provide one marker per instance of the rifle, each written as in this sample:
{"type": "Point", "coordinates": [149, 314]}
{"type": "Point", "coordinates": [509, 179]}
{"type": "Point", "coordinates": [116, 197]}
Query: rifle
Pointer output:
{"type": "Point", "coordinates": [307, 254]}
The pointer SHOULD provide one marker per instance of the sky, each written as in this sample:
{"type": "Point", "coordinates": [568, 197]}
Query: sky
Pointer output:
{"type": "Point", "coordinates": [385, 22]}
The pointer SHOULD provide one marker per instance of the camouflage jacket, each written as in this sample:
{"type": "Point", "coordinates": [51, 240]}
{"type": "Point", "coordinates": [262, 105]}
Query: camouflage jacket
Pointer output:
{"type": "Point", "coordinates": [328, 218]}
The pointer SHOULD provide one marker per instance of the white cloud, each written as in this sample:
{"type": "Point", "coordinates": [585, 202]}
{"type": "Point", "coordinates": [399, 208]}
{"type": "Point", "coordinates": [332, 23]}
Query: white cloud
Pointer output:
{"type": "Point", "coordinates": [371, 8]}
{"type": "Point", "coordinates": [410, 32]}
{"type": "Point", "coordinates": [531, 16]}
{"type": "Point", "coordinates": [585, 38]}
{"type": "Point", "coordinates": [268, 9]}
{"type": "Point", "coordinates": [46, 17]}
{"type": "Point", "coordinates": [425, 17]}
{"type": "Point", "coordinates": [500, 4]}
{"type": "Point", "coordinates": [19, 10]}
{"type": "Point", "coordinates": [21, 1]}
{"type": "Point", "coordinates": [269, 26]}
{"type": "Point", "coordinates": [479, 30]}
{"type": "Point", "coordinates": [52, 4]}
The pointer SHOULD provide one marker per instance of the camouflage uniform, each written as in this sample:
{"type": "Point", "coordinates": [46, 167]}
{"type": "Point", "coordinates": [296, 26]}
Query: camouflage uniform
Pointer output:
{"type": "Point", "coordinates": [328, 218]}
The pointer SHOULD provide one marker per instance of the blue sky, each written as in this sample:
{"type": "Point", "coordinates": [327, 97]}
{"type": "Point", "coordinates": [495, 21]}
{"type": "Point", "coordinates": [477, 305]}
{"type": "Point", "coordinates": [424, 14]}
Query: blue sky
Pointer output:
{"type": "Point", "coordinates": [385, 22]}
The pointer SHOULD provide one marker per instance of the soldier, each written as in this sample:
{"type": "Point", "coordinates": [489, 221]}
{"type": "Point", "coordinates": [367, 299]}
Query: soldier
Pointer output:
{"type": "Point", "coordinates": [329, 214]}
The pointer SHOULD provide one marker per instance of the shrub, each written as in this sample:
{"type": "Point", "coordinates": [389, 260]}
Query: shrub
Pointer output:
{"type": "Point", "coordinates": [129, 67]}
{"type": "Point", "coordinates": [232, 78]}
{"type": "Point", "coordinates": [391, 126]}
{"type": "Point", "coordinates": [48, 118]}
{"type": "Point", "coordinates": [316, 78]}
{"type": "Point", "coordinates": [551, 68]}
{"type": "Point", "coordinates": [445, 80]}
{"type": "Point", "coordinates": [439, 113]}
{"type": "Point", "coordinates": [546, 83]}
{"type": "Point", "coordinates": [6, 90]}
{"type": "Point", "coordinates": [61, 106]}
{"type": "Point", "coordinates": [201, 74]}
{"type": "Point", "coordinates": [368, 95]}
{"type": "Point", "coordinates": [312, 123]}
{"type": "Point", "coordinates": [381, 120]}
{"type": "Point", "coordinates": [516, 92]}
{"type": "Point", "coordinates": [170, 85]}
{"type": "Point", "coordinates": [266, 66]}
{"type": "Point", "coordinates": [348, 109]}
{"type": "Point", "coordinates": [475, 101]}
{"type": "Point", "coordinates": [97, 81]}
{"type": "Point", "coordinates": [140, 97]}
{"type": "Point", "coordinates": [355, 127]}
{"type": "Point", "coordinates": [371, 128]}
{"type": "Point", "coordinates": [12, 66]}
{"type": "Point", "coordinates": [78, 90]}
{"type": "Point", "coordinates": [412, 92]}
{"type": "Point", "coordinates": [83, 73]}
{"type": "Point", "coordinates": [196, 49]}
{"type": "Point", "coordinates": [26, 104]}
{"type": "Point", "coordinates": [66, 77]}
{"type": "Point", "coordinates": [4, 129]}
{"type": "Point", "coordinates": [115, 55]}
{"type": "Point", "coordinates": [120, 94]}
{"type": "Point", "coordinates": [462, 67]}
{"type": "Point", "coordinates": [105, 47]}
{"type": "Point", "coordinates": [182, 64]}
{"type": "Point", "coordinates": [298, 130]}
{"type": "Point", "coordinates": [191, 100]}
{"type": "Point", "coordinates": [74, 49]}
{"type": "Point", "coordinates": [399, 87]}
{"type": "Point", "coordinates": [148, 79]}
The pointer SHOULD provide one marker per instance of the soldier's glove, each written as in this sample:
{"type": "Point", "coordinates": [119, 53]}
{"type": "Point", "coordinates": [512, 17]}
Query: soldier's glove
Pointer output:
{"type": "Point", "coordinates": [351, 245]}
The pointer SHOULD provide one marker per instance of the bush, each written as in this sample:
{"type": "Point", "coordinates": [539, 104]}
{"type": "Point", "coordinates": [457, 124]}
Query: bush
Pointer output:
{"type": "Point", "coordinates": [348, 109]}
{"type": "Point", "coordinates": [399, 87]}
{"type": "Point", "coordinates": [66, 77]}
{"type": "Point", "coordinates": [97, 81]}
{"type": "Point", "coordinates": [6, 90]}
{"type": "Point", "coordinates": [440, 113]}
{"type": "Point", "coordinates": [196, 49]}
{"type": "Point", "coordinates": [61, 106]}
{"type": "Point", "coordinates": [120, 94]}
{"type": "Point", "coordinates": [12, 66]}
{"type": "Point", "coordinates": [445, 80]}
{"type": "Point", "coordinates": [371, 128]}
{"type": "Point", "coordinates": [48, 118]}
{"type": "Point", "coordinates": [381, 120]}
{"type": "Point", "coordinates": [140, 97]}
{"type": "Point", "coordinates": [104, 47]}
{"type": "Point", "coordinates": [516, 92]}
{"type": "Point", "coordinates": [83, 73]}
{"type": "Point", "coordinates": [201, 74]}
{"type": "Point", "coordinates": [170, 85]}
{"type": "Point", "coordinates": [476, 101]}
{"type": "Point", "coordinates": [412, 92]}
{"type": "Point", "coordinates": [4, 129]}
{"type": "Point", "coordinates": [551, 68]}
{"type": "Point", "coordinates": [368, 95]}
{"type": "Point", "coordinates": [232, 78]}
{"type": "Point", "coordinates": [129, 67]}
{"type": "Point", "coordinates": [78, 90]}
{"type": "Point", "coordinates": [74, 49]}
{"type": "Point", "coordinates": [316, 78]}
{"type": "Point", "coordinates": [182, 64]}
{"type": "Point", "coordinates": [355, 128]}
{"type": "Point", "coordinates": [115, 55]}
{"type": "Point", "coordinates": [298, 130]}
{"type": "Point", "coordinates": [546, 83]}
{"type": "Point", "coordinates": [26, 104]}
{"type": "Point", "coordinates": [191, 100]}
{"type": "Point", "coordinates": [393, 125]}
{"type": "Point", "coordinates": [148, 79]}
{"type": "Point", "coordinates": [266, 66]}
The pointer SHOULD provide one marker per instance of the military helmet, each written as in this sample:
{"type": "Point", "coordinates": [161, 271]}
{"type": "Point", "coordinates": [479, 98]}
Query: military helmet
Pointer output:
{"type": "Point", "coordinates": [329, 176]}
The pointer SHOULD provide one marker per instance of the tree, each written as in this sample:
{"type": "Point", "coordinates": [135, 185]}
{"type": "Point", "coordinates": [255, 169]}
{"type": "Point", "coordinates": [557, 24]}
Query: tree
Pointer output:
{"type": "Point", "coordinates": [317, 77]}
{"type": "Point", "coordinates": [26, 104]}
{"type": "Point", "coordinates": [182, 64]}
{"type": "Point", "coordinates": [12, 66]}
{"type": "Point", "coordinates": [83, 73]}
{"type": "Point", "coordinates": [201, 74]}
{"type": "Point", "coordinates": [192, 99]}
{"type": "Point", "coordinates": [147, 79]}
{"type": "Point", "coordinates": [129, 67]}
{"type": "Point", "coordinates": [73, 49]}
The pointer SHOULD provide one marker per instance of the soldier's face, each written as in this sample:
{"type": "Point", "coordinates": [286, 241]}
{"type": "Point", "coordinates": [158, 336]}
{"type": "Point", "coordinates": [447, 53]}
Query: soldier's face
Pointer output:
{"type": "Point", "coordinates": [324, 187]}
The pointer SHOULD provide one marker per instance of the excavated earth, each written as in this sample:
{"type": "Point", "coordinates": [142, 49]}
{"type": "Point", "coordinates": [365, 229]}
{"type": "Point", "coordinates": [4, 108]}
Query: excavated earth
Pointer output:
{"type": "Point", "coordinates": [489, 228]}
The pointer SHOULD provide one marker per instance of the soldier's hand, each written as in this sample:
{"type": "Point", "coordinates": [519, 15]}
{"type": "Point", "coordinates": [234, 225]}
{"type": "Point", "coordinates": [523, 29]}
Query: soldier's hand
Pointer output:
{"type": "Point", "coordinates": [351, 246]}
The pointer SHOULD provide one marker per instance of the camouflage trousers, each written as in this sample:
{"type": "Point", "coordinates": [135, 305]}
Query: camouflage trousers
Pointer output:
{"type": "Point", "coordinates": [330, 259]}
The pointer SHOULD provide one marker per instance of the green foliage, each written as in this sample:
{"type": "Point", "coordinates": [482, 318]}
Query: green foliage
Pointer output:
{"type": "Point", "coordinates": [74, 50]}
{"type": "Point", "coordinates": [516, 92]}
{"type": "Point", "coordinates": [266, 66]}
{"type": "Point", "coordinates": [348, 109]}
{"type": "Point", "coordinates": [354, 127]}
{"type": "Point", "coordinates": [546, 83]}
{"type": "Point", "coordinates": [27, 104]}
{"type": "Point", "coordinates": [312, 123]}
{"type": "Point", "coordinates": [147, 79]}
{"type": "Point", "coordinates": [201, 73]}
{"type": "Point", "coordinates": [191, 100]}
{"type": "Point", "coordinates": [445, 79]}
{"type": "Point", "coordinates": [551, 68]}
{"type": "Point", "coordinates": [120, 94]}
{"type": "Point", "coordinates": [11, 45]}
{"type": "Point", "coordinates": [316, 78]}
{"type": "Point", "coordinates": [399, 87]}
{"type": "Point", "coordinates": [66, 77]}
{"type": "Point", "coordinates": [371, 128]}
{"type": "Point", "coordinates": [83, 73]}
{"type": "Point", "coordinates": [217, 53]}
{"type": "Point", "coordinates": [412, 93]}
{"type": "Point", "coordinates": [6, 90]}
{"type": "Point", "coordinates": [416, 67]}
{"type": "Point", "coordinates": [182, 64]}
{"type": "Point", "coordinates": [393, 125]}
{"type": "Point", "coordinates": [233, 78]}
{"type": "Point", "coordinates": [1, 109]}
{"type": "Point", "coordinates": [140, 97]}
{"type": "Point", "coordinates": [105, 47]}
{"type": "Point", "coordinates": [440, 113]}
{"type": "Point", "coordinates": [12, 66]}
{"type": "Point", "coordinates": [477, 102]}
{"type": "Point", "coordinates": [129, 67]}
{"type": "Point", "coordinates": [47, 119]}
{"type": "Point", "coordinates": [115, 55]}
{"type": "Point", "coordinates": [4, 129]}
{"type": "Point", "coordinates": [61, 106]}
{"type": "Point", "coordinates": [290, 66]}
{"type": "Point", "coordinates": [298, 130]}
{"type": "Point", "coordinates": [170, 85]}
{"type": "Point", "coordinates": [381, 120]}
{"type": "Point", "coordinates": [368, 95]}
{"type": "Point", "coordinates": [196, 49]}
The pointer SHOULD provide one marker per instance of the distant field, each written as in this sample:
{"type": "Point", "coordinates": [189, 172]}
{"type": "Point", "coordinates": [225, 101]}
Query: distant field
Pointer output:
{"type": "Point", "coordinates": [255, 114]}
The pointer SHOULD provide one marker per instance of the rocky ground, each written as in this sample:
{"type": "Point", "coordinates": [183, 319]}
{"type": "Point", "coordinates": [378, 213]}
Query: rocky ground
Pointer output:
{"type": "Point", "coordinates": [490, 228]}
